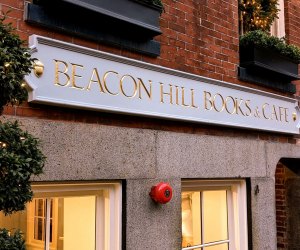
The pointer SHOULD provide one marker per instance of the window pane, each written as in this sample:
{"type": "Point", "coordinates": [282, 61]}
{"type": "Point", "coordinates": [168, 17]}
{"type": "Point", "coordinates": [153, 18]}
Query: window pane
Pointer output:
{"type": "Point", "coordinates": [218, 247]}
{"type": "Point", "coordinates": [79, 223]}
{"type": "Point", "coordinates": [191, 219]}
{"type": "Point", "coordinates": [40, 207]}
{"type": "Point", "coordinates": [38, 228]}
{"type": "Point", "coordinates": [215, 224]}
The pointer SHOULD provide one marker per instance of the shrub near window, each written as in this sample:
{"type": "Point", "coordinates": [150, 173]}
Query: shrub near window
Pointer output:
{"type": "Point", "coordinates": [20, 156]}
{"type": "Point", "coordinates": [10, 241]}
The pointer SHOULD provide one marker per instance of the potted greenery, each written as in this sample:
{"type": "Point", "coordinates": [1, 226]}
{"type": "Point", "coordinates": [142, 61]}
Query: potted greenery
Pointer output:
{"type": "Point", "coordinates": [20, 156]}
{"type": "Point", "coordinates": [258, 49]}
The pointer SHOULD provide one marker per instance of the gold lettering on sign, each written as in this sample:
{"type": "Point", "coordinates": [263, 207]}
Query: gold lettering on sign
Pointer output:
{"type": "Point", "coordinates": [74, 75]}
{"type": "Point", "coordinates": [134, 86]}
{"type": "Point", "coordinates": [59, 72]}
{"type": "Point", "coordinates": [67, 74]}
{"type": "Point", "coordinates": [283, 114]}
{"type": "Point", "coordinates": [182, 98]}
{"type": "Point", "coordinates": [274, 114]}
{"type": "Point", "coordinates": [238, 104]}
{"type": "Point", "coordinates": [162, 93]}
{"type": "Point", "coordinates": [247, 104]}
{"type": "Point", "coordinates": [148, 90]}
{"type": "Point", "coordinates": [286, 111]}
{"type": "Point", "coordinates": [106, 74]}
{"type": "Point", "coordinates": [234, 105]}
{"type": "Point", "coordinates": [97, 80]}
{"type": "Point", "coordinates": [214, 102]}
{"type": "Point", "coordinates": [176, 95]}
{"type": "Point", "coordinates": [193, 99]}
{"type": "Point", "coordinates": [207, 100]}
{"type": "Point", "coordinates": [266, 105]}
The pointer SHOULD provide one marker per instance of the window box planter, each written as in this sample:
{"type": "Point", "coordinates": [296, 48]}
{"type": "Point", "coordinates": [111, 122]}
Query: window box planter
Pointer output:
{"type": "Point", "coordinates": [130, 24]}
{"type": "Point", "coordinates": [269, 60]}
{"type": "Point", "coordinates": [268, 68]}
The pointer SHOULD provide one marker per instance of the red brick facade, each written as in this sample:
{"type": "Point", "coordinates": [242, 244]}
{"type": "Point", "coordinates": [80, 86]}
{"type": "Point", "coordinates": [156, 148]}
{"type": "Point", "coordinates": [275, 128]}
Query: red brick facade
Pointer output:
{"type": "Point", "coordinates": [281, 204]}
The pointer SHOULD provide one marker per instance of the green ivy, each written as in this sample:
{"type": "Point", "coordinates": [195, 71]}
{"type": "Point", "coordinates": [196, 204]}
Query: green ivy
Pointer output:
{"type": "Point", "coordinates": [261, 39]}
{"type": "Point", "coordinates": [15, 63]}
{"type": "Point", "coordinates": [10, 241]}
{"type": "Point", "coordinates": [20, 158]}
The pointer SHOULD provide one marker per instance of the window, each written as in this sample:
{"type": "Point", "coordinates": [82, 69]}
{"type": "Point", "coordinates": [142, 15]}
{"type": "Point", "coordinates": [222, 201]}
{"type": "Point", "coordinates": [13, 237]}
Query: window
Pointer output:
{"type": "Point", "coordinates": [71, 217]}
{"type": "Point", "coordinates": [214, 215]}
{"type": "Point", "coordinates": [278, 26]}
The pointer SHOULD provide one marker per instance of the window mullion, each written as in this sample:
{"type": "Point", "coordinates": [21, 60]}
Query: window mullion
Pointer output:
{"type": "Point", "coordinates": [100, 225]}
{"type": "Point", "coordinates": [202, 218]}
{"type": "Point", "coordinates": [231, 222]}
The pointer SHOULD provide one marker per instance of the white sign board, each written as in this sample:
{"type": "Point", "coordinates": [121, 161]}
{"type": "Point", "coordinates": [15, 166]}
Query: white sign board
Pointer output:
{"type": "Point", "coordinates": [79, 77]}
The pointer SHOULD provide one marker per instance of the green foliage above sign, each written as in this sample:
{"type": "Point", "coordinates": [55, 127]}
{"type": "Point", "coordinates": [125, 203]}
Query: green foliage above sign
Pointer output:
{"type": "Point", "coordinates": [262, 40]}
{"type": "Point", "coordinates": [20, 158]}
{"type": "Point", "coordinates": [15, 63]}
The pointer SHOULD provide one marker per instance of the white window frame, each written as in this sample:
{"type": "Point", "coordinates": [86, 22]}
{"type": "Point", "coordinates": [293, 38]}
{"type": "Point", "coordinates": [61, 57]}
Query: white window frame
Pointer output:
{"type": "Point", "coordinates": [237, 209]}
{"type": "Point", "coordinates": [108, 209]}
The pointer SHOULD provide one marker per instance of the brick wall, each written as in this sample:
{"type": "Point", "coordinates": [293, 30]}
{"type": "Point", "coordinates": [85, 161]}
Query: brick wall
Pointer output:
{"type": "Point", "coordinates": [201, 37]}
{"type": "Point", "coordinates": [292, 27]}
{"type": "Point", "coordinates": [292, 21]}
{"type": "Point", "coordinates": [287, 179]}
{"type": "Point", "coordinates": [281, 207]}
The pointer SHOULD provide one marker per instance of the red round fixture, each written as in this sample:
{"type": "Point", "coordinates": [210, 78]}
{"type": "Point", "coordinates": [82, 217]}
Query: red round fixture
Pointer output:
{"type": "Point", "coordinates": [161, 193]}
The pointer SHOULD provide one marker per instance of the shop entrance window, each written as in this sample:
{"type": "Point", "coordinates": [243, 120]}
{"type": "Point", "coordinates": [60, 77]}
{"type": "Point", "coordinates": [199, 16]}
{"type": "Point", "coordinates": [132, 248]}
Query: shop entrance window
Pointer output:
{"type": "Point", "coordinates": [70, 217]}
{"type": "Point", "coordinates": [214, 215]}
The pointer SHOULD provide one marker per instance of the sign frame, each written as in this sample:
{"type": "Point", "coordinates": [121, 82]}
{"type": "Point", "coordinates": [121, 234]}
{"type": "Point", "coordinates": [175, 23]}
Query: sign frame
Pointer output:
{"type": "Point", "coordinates": [134, 87]}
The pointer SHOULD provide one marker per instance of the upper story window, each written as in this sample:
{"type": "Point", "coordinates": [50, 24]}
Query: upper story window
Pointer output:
{"type": "Point", "coordinates": [264, 60]}
{"type": "Point", "coordinates": [265, 15]}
